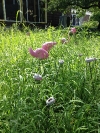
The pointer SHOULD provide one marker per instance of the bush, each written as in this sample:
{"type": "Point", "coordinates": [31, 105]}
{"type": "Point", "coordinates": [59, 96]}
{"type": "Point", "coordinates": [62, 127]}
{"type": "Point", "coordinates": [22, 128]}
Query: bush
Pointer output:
{"type": "Point", "coordinates": [90, 24]}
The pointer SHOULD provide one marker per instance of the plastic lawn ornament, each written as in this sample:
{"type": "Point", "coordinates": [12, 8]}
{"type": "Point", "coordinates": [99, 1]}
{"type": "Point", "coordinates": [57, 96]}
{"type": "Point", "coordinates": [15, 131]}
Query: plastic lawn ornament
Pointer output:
{"type": "Point", "coordinates": [42, 53]}
{"type": "Point", "coordinates": [73, 30]}
{"type": "Point", "coordinates": [39, 53]}
{"type": "Point", "coordinates": [48, 45]}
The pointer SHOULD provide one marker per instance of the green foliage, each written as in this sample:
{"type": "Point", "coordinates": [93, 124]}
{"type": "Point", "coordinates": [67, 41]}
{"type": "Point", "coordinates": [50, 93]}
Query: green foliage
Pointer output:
{"type": "Point", "coordinates": [96, 16]}
{"type": "Point", "coordinates": [64, 4]}
{"type": "Point", "coordinates": [81, 6]}
{"type": "Point", "coordinates": [90, 24]}
{"type": "Point", "coordinates": [80, 12]}
{"type": "Point", "coordinates": [75, 84]}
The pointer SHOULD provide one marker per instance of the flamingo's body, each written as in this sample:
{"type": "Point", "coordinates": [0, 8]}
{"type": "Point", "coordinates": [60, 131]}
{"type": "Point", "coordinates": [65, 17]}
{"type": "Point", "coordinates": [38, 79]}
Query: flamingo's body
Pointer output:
{"type": "Point", "coordinates": [48, 45]}
{"type": "Point", "coordinates": [73, 30]}
{"type": "Point", "coordinates": [39, 53]}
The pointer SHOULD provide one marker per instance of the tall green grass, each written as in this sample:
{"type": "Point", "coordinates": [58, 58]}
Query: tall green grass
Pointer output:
{"type": "Point", "coordinates": [75, 84]}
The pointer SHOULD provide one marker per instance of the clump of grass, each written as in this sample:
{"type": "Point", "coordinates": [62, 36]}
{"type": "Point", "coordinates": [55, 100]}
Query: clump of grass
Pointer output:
{"type": "Point", "coordinates": [23, 100]}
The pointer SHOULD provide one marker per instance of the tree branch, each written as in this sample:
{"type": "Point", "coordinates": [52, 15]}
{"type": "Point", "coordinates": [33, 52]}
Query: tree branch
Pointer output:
{"type": "Point", "coordinates": [85, 7]}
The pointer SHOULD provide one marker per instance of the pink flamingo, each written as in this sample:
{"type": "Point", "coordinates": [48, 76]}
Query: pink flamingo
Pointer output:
{"type": "Point", "coordinates": [48, 45]}
{"type": "Point", "coordinates": [42, 53]}
{"type": "Point", "coordinates": [73, 30]}
{"type": "Point", "coordinates": [39, 53]}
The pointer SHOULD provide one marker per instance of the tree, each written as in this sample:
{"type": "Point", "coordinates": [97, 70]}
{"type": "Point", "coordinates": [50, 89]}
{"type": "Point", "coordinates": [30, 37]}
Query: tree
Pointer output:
{"type": "Point", "coordinates": [96, 16]}
{"type": "Point", "coordinates": [63, 5]}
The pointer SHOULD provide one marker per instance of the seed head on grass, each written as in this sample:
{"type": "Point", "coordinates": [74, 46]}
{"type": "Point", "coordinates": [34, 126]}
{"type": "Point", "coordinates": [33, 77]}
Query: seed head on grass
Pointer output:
{"type": "Point", "coordinates": [50, 101]}
{"type": "Point", "coordinates": [61, 61]}
{"type": "Point", "coordinates": [80, 55]}
{"type": "Point", "coordinates": [28, 33]}
{"type": "Point", "coordinates": [37, 77]}
{"type": "Point", "coordinates": [88, 60]}
{"type": "Point", "coordinates": [63, 40]}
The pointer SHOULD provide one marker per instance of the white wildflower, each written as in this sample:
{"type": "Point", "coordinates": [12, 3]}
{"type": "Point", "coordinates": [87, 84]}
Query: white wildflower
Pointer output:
{"type": "Point", "coordinates": [63, 40]}
{"type": "Point", "coordinates": [61, 61]}
{"type": "Point", "coordinates": [88, 60]}
{"type": "Point", "coordinates": [37, 76]}
{"type": "Point", "coordinates": [50, 101]}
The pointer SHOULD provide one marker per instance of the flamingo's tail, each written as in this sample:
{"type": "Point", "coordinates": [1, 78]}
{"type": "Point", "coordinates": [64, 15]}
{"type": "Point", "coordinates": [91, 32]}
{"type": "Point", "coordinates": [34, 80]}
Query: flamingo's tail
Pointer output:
{"type": "Point", "coordinates": [31, 52]}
